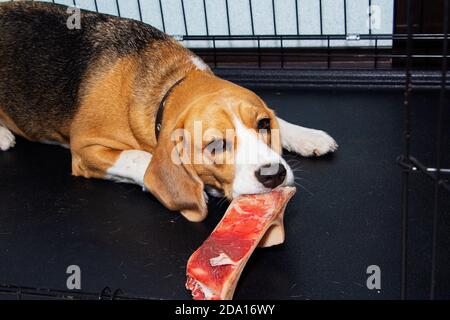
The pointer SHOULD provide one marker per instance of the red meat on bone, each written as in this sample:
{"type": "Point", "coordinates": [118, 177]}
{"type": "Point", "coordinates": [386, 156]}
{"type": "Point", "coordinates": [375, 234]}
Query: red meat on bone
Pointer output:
{"type": "Point", "coordinates": [214, 269]}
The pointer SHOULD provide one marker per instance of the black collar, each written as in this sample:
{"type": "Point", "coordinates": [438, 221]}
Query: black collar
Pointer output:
{"type": "Point", "coordinates": [159, 113]}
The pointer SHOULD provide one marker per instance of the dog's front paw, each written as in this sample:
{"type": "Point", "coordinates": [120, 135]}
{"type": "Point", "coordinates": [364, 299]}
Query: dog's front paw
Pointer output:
{"type": "Point", "coordinates": [7, 139]}
{"type": "Point", "coordinates": [194, 215]}
{"type": "Point", "coordinates": [314, 143]}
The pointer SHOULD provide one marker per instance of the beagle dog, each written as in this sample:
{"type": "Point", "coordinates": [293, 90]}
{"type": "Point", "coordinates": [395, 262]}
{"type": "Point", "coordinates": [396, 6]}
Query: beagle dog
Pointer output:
{"type": "Point", "coordinates": [116, 90]}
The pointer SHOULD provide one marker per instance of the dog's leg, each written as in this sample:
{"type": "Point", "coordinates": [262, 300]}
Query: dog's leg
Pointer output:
{"type": "Point", "coordinates": [7, 139]}
{"type": "Point", "coordinates": [307, 142]}
{"type": "Point", "coordinates": [121, 166]}
{"type": "Point", "coordinates": [130, 167]}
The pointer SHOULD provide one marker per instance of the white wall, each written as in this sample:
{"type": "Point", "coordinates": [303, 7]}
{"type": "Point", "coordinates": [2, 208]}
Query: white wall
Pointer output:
{"type": "Point", "coordinates": [240, 22]}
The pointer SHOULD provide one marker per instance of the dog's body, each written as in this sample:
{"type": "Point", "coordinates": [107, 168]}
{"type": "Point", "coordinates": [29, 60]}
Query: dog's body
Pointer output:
{"type": "Point", "coordinates": [98, 91]}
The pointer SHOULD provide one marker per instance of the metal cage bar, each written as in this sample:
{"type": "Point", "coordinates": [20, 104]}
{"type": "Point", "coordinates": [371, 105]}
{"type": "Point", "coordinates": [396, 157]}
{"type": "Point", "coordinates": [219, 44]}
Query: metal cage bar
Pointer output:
{"type": "Point", "coordinates": [411, 164]}
{"type": "Point", "coordinates": [406, 153]}
{"type": "Point", "coordinates": [439, 138]}
{"type": "Point", "coordinates": [162, 16]}
{"type": "Point", "coordinates": [228, 17]}
{"type": "Point", "coordinates": [183, 10]}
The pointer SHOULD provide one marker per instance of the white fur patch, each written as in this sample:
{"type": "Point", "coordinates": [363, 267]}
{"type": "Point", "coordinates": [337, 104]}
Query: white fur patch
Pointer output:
{"type": "Point", "coordinates": [7, 139]}
{"type": "Point", "coordinates": [130, 167]}
{"type": "Point", "coordinates": [307, 142]}
{"type": "Point", "coordinates": [252, 153]}
{"type": "Point", "coordinates": [199, 63]}
{"type": "Point", "coordinates": [54, 143]}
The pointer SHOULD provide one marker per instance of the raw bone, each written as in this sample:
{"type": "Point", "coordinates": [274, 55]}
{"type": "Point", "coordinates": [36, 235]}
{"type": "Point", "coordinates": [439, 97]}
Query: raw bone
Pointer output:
{"type": "Point", "coordinates": [250, 221]}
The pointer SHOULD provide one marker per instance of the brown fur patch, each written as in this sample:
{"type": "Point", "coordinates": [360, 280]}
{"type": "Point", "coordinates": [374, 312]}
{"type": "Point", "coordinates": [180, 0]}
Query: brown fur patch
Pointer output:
{"type": "Point", "coordinates": [9, 123]}
{"type": "Point", "coordinates": [102, 120]}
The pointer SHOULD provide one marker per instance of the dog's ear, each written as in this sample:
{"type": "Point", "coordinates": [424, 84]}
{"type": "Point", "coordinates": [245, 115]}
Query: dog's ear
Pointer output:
{"type": "Point", "coordinates": [173, 180]}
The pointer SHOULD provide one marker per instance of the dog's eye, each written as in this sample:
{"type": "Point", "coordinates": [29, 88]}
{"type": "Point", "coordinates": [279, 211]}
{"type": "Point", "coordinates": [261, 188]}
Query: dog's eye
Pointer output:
{"type": "Point", "coordinates": [264, 124]}
{"type": "Point", "coordinates": [216, 146]}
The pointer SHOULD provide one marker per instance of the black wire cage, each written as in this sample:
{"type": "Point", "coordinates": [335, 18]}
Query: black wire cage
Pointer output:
{"type": "Point", "coordinates": [414, 56]}
{"type": "Point", "coordinates": [273, 49]}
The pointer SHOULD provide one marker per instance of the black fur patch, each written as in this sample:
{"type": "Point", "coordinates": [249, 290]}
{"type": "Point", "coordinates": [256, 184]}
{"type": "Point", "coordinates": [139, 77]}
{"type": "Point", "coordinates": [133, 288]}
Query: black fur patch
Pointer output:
{"type": "Point", "coordinates": [43, 63]}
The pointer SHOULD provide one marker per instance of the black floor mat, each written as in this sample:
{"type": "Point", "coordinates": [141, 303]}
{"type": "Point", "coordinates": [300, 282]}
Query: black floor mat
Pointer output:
{"type": "Point", "coordinates": [345, 217]}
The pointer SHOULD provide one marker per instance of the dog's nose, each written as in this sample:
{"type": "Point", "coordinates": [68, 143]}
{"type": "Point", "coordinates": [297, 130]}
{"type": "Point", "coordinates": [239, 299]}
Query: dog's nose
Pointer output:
{"type": "Point", "coordinates": [271, 175]}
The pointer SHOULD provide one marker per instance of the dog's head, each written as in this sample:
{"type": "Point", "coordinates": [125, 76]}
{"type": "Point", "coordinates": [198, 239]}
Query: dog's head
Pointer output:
{"type": "Point", "coordinates": [225, 140]}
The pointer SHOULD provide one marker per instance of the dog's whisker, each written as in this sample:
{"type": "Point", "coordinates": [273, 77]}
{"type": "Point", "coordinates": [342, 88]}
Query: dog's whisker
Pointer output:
{"type": "Point", "coordinates": [304, 188]}
{"type": "Point", "coordinates": [300, 170]}
{"type": "Point", "coordinates": [295, 166]}
{"type": "Point", "coordinates": [222, 201]}
{"type": "Point", "coordinates": [302, 179]}
{"type": "Point", "coordinates": [293, 159]}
